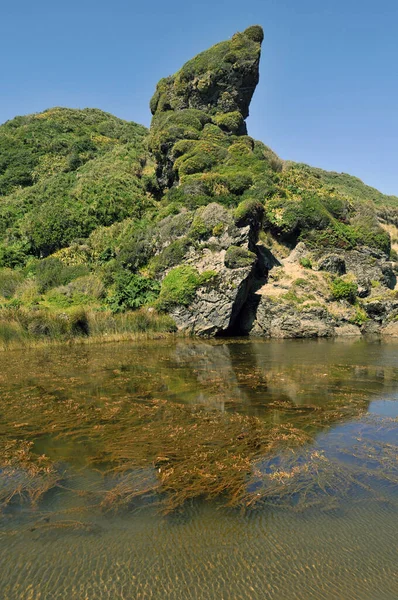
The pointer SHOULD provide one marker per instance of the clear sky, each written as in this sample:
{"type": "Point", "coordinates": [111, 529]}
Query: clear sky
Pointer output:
{"type": "Point", "coordinates": [329, 84]}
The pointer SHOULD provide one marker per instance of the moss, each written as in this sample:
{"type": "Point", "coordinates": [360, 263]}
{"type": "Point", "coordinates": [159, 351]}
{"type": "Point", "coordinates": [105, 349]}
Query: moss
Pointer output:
{"type": "Point", "coordinates": [231, 121]}
{"type": "Point", "coordinates": [180, 285]}
{"type": "Point", "coordinates": [375, 283]}
{"type": "Point", "coordinates": [237, 257]}
{"type": "Point", "coordinates": [248, 212]}
{"type": "Point", "coordinates": [218, 229]}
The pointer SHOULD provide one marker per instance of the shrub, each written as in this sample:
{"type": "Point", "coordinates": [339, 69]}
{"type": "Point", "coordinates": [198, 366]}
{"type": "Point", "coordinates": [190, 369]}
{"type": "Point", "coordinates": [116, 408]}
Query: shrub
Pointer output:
{"type": "Point", "coordinates": [83, 290]}
{"type": "Point", "coordinates": [131, 291]}
{"type": "Point", "coordinates": [255, 33]}
{"type": "Point", "coordinates": [9, 282]}
{"type": "Point", "coordinates": [13, 256]}
{"type": "Point", "coordinates": [237, 257]}
{"type": "Point", "coordinates": [306, 263]}
{"type": "Point", "coordinates": [218, 229]}
{"type": "Point", "coordinates": [231, 121]}
{"type": "Point", "coordinates": [360, 317]}
{"type": "Point", "coordinates": [87, 285]}
{"type": "Point", "coordinates": [28, 292]}
{"type": "Point", "coordinates": [51, 272]}
{"type": "Point", "coordinates": [344, 290]}
{"type": "Point", "coordinates": [136, 248]}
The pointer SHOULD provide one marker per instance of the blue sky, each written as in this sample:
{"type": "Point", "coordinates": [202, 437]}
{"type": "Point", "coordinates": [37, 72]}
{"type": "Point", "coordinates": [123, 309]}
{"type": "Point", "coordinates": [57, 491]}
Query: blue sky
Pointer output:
{"type": "Point", "coordinates": [328, 89]}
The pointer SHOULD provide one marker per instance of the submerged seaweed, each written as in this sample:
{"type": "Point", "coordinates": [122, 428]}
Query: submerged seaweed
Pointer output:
{"type": "Point", "coordinates": [141, 448]}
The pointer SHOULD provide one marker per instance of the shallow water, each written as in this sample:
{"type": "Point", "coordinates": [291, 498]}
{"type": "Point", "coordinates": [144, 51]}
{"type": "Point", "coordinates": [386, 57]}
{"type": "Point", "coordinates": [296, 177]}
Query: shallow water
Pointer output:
{"type": "Point", "coordinates": [334, 535]}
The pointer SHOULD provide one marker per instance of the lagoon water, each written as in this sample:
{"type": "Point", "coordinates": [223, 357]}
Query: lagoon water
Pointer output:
{"type": "Point", "coordinates": [333, 537]}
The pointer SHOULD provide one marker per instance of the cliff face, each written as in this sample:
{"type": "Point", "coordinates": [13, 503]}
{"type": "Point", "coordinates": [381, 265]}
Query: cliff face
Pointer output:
{"type": "Point", "coordinates": [214, 88]}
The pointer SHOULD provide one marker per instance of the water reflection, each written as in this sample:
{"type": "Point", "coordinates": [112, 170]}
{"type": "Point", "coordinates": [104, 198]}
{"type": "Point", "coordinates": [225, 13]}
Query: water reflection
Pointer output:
{"type": "Point", "coordinates": [130, 425]}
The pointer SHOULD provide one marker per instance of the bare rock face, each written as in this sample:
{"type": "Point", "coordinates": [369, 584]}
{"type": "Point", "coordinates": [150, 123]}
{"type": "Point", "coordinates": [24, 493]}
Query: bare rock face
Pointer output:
{"type": "Point", "coordinates": [277, 320]}
{"type": "Point", "coordinates": [332, 264]}
{"type": "Point", "coordinates": [214, 88]}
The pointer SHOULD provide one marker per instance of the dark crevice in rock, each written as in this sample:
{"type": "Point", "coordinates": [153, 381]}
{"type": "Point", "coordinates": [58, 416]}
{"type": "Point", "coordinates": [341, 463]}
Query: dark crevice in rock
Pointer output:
{"type": "Point", "coordinates": [244, 311]}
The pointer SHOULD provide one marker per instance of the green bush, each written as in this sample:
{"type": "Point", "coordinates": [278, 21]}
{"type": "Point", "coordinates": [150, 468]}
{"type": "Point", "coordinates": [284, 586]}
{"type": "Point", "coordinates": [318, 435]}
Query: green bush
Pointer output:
{"type": "Point", "coordinates": [344, 290]}
{"type": "Point", "coordinates": [131, 291]}
{"type": "Point", "coordinates": [231, 121]}
{"type": "Point", "coordinates": [306, 263]}
{"type": "Point", "coordinates": [14, 255]}
{"type": "Point", "coordinates": [360, 317]}
{"type": "Point", "coordinates": [199, 229]}
{"type": "Point", "coordinates": [249, 212]}
{"type": "Point", "coordinates": [51, 272]}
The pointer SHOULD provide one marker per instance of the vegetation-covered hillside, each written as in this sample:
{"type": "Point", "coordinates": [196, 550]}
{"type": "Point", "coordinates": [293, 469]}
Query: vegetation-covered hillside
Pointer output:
{"type": "Point", "coordinates": [98, 216]}
{"type": "Point", "coordinates": [63, 173]}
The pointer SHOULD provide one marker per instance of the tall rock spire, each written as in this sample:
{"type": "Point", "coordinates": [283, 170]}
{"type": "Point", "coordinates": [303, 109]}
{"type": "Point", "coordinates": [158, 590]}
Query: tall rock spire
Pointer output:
{"type": "Point", "coordinates": [215, 87]}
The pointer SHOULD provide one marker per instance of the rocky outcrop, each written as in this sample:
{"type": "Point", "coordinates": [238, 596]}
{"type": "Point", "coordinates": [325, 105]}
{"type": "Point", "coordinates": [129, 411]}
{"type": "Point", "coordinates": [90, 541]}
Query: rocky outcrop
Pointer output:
{"type": "Point", "coordinates": [277, 320]}
{"type": "Point", "coordinates": [333, 264]}
{"type": "Point", "coordinates": [210, 242]}
{"type": "Point", "coordinates": [214, 88]}
{"type": "Point", "coordinates": [221, 79]}
{"type": "Point", "coordinates": [215, 308]}
{"type": "Point", "coordinates": [337, 279]}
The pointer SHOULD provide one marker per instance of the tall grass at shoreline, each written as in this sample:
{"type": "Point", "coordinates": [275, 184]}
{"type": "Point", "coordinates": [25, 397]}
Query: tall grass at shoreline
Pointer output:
{"type": "Point", "coordinates": [29, 327]}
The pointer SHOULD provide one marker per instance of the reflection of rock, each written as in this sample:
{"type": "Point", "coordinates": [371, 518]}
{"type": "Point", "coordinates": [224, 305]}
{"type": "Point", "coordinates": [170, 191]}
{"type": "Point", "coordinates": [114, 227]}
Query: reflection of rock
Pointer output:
{"type": "Point", "coordinates": [212, 367]}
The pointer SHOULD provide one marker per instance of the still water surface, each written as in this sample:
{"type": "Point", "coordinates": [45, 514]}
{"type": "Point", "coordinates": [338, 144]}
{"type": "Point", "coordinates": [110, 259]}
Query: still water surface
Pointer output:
{"type": "Point", "coordinates": [319, 515]}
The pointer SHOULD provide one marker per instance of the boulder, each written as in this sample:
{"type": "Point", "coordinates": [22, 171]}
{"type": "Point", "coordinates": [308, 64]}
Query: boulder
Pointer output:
{"type": "Point", "coordinates": [333, 264]}
{"type": "Point", "coordinates": [280, 320]}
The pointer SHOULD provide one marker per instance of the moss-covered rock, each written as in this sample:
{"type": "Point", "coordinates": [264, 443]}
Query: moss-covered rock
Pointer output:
{"type": "Point", "coordinates": [216, 85]}
{"type": "Point", "coordinates": [237, 257]}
